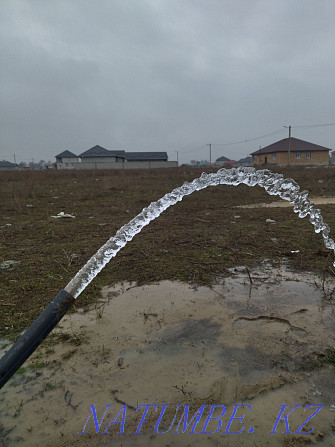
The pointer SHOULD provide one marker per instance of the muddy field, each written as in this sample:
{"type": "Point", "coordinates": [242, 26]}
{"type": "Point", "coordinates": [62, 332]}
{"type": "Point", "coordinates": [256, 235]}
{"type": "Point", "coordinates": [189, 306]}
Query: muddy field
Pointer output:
{"type": "Point", "coordinates": [261, 335]}
{"type": "Point", "coordinates": [194, 241]}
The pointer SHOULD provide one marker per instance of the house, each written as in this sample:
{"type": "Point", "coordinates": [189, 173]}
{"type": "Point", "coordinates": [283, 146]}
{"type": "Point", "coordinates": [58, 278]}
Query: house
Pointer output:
{"type": "Point", "coordinates": [291, 151]}
{"type": "Point", "coordinates": [245, 161]}
{"type": "Point", "coordinates": [224, 161]}
{"type": "Point", "coordinates": [97, 157]}
{"type": "Point", "coordinates": [67, 157]}
{"type": "Point", "coordinates": [7, 166]}
{"type": "Point", "coordinates": [146, 160]}
{"type": "Point", "coordinates": [221, 161]}
{"type": "Point", "coordinates": [98, 154]}
{"type": "Point", "coordinates": [146, 156]}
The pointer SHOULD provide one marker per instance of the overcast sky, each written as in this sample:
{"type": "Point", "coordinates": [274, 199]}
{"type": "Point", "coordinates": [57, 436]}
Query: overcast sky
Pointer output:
{"type": "Point", "coordinates": [164, 75]}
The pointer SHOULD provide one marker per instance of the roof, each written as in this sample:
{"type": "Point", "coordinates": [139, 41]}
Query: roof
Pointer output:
{"type": "Point", "coordinates": [66, 154]}
{"type": "Point", "coordinates": [230, 162]}
{"type": "Point", "coordinates": [7, 164]}
{"type": "Point", "coordinates": [146, 156]}
{"type": "Point", "coordinates": [223, 158]}
{"type": "Point", "coordinates": [296, 146]}
{"type": "Point", "coordinates": [98, 151]}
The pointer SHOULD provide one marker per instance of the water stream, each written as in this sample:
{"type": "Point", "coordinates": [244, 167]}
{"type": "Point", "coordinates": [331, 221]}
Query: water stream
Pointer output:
{"type": "Point", "coordinates": [274, 184]}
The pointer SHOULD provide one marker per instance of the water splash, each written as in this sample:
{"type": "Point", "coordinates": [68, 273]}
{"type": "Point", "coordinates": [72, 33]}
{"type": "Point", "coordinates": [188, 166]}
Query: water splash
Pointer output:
{"type": "Point", "coordinates": [273, 183]}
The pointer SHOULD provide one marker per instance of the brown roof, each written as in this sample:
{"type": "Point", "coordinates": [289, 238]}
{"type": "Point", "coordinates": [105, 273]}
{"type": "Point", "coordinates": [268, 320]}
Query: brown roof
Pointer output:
{"type": "Point", "coordinates": [296, 146]}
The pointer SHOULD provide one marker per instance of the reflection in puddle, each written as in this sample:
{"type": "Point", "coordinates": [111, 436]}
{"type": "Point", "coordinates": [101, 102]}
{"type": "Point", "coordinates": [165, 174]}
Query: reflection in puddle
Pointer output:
{"type": "Point", "coordinates": [249, 340]}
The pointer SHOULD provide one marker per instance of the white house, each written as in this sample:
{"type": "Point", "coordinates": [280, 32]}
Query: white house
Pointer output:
{"type": "Point", "coordinates": [7, 166]}
{"type": "Point", "coordinates": [67, 157]}
{"type": "Point", "coordinates": [97, 157]}
{"type": "Point", "coordinates": [98, 154]}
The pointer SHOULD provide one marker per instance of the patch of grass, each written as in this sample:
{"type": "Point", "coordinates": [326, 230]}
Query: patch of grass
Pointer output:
{"type": "Point", "coordinates": [74, 338]}
{"type": "Point", "coordinates": [69, 354]}
{"type": "Point", "coordinates": [18, 407]}
{"type": "Point", "coordinates": [38, 365]}
{"type": "Point", "coordinates": [320, 360]}
{"type": "Point", "coordinates": [49, 351]}
{"type": "Point", "coordinates": [21, 370]}
{"type": "Point", "coordinates": [48, 386]}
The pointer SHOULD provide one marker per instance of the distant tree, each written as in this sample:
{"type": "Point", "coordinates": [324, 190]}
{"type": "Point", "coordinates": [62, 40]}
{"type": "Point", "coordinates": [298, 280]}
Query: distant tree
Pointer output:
{"type": "Point", "coordinates": [32, 165]}
{"type": "Point", "coordinates": [39, 165]}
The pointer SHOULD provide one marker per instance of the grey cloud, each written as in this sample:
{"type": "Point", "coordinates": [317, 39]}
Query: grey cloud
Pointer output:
{"type": "Point", "coordinates": [162, 74]}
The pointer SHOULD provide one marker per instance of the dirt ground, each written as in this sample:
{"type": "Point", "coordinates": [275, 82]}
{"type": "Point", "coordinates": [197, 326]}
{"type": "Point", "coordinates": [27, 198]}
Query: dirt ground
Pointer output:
{"type": "Point", "coordinates": [193, 241]}
{"type": "Point", "coordinates": [248, 337]}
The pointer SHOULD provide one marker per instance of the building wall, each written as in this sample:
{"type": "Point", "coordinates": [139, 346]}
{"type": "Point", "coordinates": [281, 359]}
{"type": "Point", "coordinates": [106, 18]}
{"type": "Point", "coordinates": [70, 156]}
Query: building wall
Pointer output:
{"type": "Point", "coordinates": [67, 160]}
{"type": "Point", "coordinates": [9, 168]}
{"type": "Point", "coordinates": [66, 165]}
{"type": "Point", "coordinates": [150, 164]}
{"type": "Point", "coordinates": [123, 165]}
{"type": "Point", "coordinates": [98, 160]}
{"type": "Point", "coordinates": [281, 158]}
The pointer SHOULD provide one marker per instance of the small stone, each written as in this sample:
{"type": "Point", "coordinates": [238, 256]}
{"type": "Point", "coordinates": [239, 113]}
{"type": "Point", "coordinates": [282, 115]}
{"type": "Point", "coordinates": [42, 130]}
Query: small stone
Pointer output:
{"type": "Point", "coordinates": [5, 265]}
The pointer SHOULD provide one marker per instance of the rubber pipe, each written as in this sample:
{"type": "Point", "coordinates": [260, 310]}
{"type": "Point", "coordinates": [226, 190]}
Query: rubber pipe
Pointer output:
{"type": "Point", "coordinates": [34, 335]}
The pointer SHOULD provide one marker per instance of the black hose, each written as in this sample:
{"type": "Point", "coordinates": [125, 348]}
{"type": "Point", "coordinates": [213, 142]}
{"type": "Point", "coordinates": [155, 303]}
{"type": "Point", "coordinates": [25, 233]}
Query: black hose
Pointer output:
{"type": "Point", "coordinates": [34, 335]}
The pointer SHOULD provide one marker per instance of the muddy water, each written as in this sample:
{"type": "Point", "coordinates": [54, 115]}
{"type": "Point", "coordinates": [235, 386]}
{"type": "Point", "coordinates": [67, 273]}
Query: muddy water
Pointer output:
{"type": "Point", "coordinates": [247, 341]}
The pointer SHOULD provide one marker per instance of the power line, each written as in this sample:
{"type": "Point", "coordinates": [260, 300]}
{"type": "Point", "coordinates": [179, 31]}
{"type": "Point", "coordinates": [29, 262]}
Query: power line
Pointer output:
{"type": "Point", "coordinates": [314, 125]}
{"type": "Point", "coordinates": [250, 139]}
{"type": "Point", "coordinates": [200, 147]}
{"type": "Point", "coordinates": [194, 150]}
{"type": "Point", "coordinates": [260, 137]}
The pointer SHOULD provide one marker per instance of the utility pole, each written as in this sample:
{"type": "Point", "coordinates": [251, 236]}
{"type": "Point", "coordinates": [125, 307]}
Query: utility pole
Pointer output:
{"type": "Point", "coordinates": [177, 158]}
{"type": "Point", "coordinates": [210, 152]}
{"type": "Point", "coordinates": [289, 144]}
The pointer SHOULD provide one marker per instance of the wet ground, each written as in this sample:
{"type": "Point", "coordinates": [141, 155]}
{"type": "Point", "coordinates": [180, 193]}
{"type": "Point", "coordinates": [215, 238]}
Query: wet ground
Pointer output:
{"type": "Point", "coordinates": [262, 338]}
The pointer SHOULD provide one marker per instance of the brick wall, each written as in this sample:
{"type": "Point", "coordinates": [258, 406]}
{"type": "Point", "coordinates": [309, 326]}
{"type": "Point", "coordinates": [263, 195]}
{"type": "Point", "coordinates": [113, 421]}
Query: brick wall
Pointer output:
{"type": "Point", "coordinates": [281, 158]}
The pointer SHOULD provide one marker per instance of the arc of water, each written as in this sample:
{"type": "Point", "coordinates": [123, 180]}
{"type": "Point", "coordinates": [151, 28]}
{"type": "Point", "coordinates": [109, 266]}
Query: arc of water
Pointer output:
{"type": "Point", "coordinates": [273, 183]}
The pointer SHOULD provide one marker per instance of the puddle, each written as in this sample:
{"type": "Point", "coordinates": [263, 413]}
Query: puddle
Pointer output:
{"type": "Point", "coordinates": [239, 343]}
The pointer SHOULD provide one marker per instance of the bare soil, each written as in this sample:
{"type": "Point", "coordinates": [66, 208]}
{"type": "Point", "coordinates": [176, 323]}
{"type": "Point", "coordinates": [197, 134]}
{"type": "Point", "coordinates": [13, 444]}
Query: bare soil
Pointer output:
{"type": "Point", "coordinates": [193, 241]}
